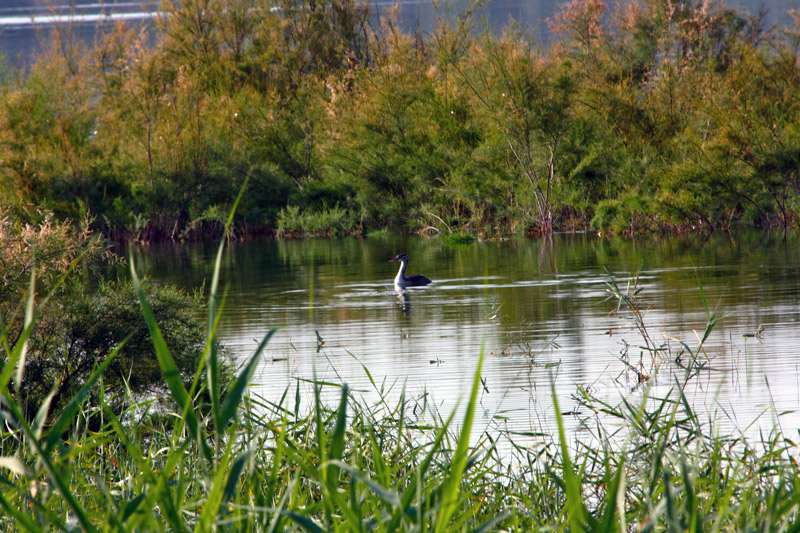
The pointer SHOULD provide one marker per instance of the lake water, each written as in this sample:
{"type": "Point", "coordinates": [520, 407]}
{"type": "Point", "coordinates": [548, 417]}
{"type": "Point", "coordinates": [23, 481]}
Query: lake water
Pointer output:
{"type": "Point", "coordinates": [23, 22]}
{"type": "Point", "coordinates": [540, 310]}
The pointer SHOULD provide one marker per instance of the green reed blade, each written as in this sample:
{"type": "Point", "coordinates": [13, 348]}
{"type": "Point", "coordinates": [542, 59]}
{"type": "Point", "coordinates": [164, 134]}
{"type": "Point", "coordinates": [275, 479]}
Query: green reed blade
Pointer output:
{"type": "Point", "coordinates": [215, 497]}
{"type": "Point", "coordinates": [169, 369]}
{"type": "Point", "coordinates": [157, 496]}
{"type": "Point", "coordinates": [303, 521]}
{"type": "Point", "coordinates": [67, 414]}
{"type": "Point", "coordinates": [388, 496]}
{"type": "Point", "coordinates": [132, 506]}
{"type": "Point", "coordinates": [236, 392]}
{"type": "Point", "coordinates": [609, 520]}
{"type": "Point", "coordinates": [420, 473]}
{"type": "Point", "coordinates": [492, 523]}
{"type": "Point", "coordinates": [14, 357]}
{"type": "Point", "coordinates": [575, 508]}
{"type": "Point", "coordinates": [450, 489]}
{"type": "Point", "coordinates": [337, 440]}
{"type": "Point", "coordinates": [29, 315]}
{"type": "Point", "coordinates": [235, 474]}
{"type": "Point", "coordinates": [211, 356]}
{"type": "Point", "coordinates": [41, 415]}
{"type": "Point", "coordinates": [381, 470]}
{"type": "Point", "coordinates": [277, 459]}
{"type": "Point", "coordinates": [54, 475]}
{"type": "Point", "coordinates": [214, 388]}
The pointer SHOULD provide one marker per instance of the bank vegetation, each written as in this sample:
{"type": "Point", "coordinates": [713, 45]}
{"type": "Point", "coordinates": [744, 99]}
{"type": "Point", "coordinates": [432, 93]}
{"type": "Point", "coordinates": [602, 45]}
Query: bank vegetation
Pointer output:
{"type": "Point", "coordinates": [651, 116]}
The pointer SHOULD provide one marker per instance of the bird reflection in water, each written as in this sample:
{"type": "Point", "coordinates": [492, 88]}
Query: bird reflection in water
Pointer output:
{"type": "Point", "coordinates": [403, 299]}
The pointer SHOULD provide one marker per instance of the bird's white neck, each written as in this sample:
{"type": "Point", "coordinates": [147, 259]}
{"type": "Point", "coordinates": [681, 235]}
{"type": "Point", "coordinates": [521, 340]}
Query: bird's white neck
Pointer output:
{"type": "Point", "coordinates": [400, 279]}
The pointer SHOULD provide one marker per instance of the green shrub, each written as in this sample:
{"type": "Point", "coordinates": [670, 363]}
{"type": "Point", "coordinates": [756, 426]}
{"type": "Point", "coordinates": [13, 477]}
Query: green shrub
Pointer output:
{"type": "Point", "coordinates": [333, 221]}
{"type": "Point", "coordinates": [148, 133]}
{"type": "Point", "coordinates": [78, 327]}
{"type": "Point", "coordinates": [606, 215]}
{"type": "Point", "coordinates": [75, 334]}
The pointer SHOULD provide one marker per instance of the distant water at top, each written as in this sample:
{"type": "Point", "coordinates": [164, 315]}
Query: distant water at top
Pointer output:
{"type": "Point", "coordinates": [24, 22]}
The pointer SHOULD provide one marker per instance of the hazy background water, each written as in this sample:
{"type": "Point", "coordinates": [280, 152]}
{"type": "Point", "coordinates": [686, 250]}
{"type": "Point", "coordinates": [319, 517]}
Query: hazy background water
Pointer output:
{"type": "Point", "coordinates": [501, 295]}
{"type": "Point", "coordinates": [23, 22]}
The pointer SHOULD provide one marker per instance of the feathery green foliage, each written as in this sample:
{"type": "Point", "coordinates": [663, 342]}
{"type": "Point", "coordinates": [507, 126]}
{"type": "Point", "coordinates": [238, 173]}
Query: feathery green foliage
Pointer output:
{"type": "Point", "coordinates": [644, 117]}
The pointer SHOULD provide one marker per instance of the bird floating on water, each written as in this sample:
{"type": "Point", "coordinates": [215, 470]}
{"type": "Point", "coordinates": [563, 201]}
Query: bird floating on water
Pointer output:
{"type": "Point", "coordinates": [401, 281]}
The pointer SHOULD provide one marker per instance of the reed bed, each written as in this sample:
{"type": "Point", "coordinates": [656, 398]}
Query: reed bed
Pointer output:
{"type": "Point", "coordinates": [213, 457]}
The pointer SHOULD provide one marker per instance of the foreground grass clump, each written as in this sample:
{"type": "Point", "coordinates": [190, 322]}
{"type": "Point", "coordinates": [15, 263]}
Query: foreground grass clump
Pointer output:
{"type": "Point", "coordinates": [210, 457]}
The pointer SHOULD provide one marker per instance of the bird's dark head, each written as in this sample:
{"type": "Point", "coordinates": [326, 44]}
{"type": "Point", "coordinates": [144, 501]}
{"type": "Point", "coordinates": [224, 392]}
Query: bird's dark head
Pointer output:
{"type": "Point", "coordinates": [399, 257]}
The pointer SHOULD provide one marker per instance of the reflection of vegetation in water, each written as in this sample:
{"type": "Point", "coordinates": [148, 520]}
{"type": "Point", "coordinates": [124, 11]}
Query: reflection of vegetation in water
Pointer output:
{"type": "Point", "coordinates": [533, 282]}
{"type": "Point", "coordinates": [653, 117]}
{"type": "Point", "coordinates": [215, 457]}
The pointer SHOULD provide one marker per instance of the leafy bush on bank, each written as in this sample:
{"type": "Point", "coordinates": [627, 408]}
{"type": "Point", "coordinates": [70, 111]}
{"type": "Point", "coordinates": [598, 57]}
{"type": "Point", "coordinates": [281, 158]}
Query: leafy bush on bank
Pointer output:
{"type": "Point", "coordinates": [78, 328]}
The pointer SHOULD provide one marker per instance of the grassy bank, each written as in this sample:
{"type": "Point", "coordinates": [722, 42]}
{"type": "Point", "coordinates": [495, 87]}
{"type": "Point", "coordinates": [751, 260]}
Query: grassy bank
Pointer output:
{"type": "Point", "coordinates": [208, 456]}
{"type": "Point", "coordinates": [648, 117]}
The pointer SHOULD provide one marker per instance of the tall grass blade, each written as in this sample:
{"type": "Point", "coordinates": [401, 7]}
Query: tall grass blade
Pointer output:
{"type": "Point", "coordinates": [55, 476]}
{"type": "Point", "coordinates": [491, 524]}
{"type": "Point", "coordinates": [237, 390]}
{"type": "Point", "coordinates": [29, 315]}
{"type": "Point", "coordinates": [215, 497]}
{"type": "Point", "coordinates": [419, 475]}
{"type": "Point", "coordinates": [41, 415]}
{"type": "Point", "coordinates": [132, 507]}
{"type": "Point", "coordinates": [304, 521]}
{"type": "Point", "coordinates": [68, 413]}
{"type": "Point", "coordinates": [451, 485]}
{"type": "Point", "coordinates": [235, 474]}
{"type": "Point", "coordinates": [609, 521]}
{"type": "Point", "coordinates": [214, 386]}
{"type": "Point", "coordinates": [331, 472]}
{"type": "Point", "coordinates": [158, 495]}
{"type": "Point", "coordinates": [168, 367]}
{"type": "Point", "coordinates": [673, 515]}
{"type": "Point", "coordinates": [337, 439]}
{"type": "Point", "coordinates": [382, 492]}
{"type": "Point", "coordinates": [575, 508]}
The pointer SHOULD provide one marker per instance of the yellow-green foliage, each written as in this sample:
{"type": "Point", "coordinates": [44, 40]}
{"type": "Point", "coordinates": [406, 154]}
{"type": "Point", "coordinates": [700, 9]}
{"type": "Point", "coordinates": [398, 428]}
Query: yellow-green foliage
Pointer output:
{"type": "Point", "coordinates": [691, 106]}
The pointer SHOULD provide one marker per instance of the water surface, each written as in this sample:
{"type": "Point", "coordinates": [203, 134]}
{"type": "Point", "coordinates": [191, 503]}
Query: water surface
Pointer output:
{"type": "Point", "coordinates": [539, 311]}
{"type": "Point", "coordinates": [24, 22]}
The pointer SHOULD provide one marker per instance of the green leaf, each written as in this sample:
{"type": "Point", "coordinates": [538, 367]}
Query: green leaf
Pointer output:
{"type": "Point", "coordinates": [236, 392]}
{"type": "Point", "coordinates": [168, 367]}
{"type": "Point", "coordinates": [132, 506]}
{"type": "Point", "coordinates": [453, 481]}
{"type": "Point", "coordinates": [236, 473]}
{"type": "Point", "coordinates": [304, 521]}
{"type": "Point", "coordinates": [575, 508]}
{"type": "Point", "coordinates": [337, 440]}
{"type": "Point", "coordinates": [66, 416]}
